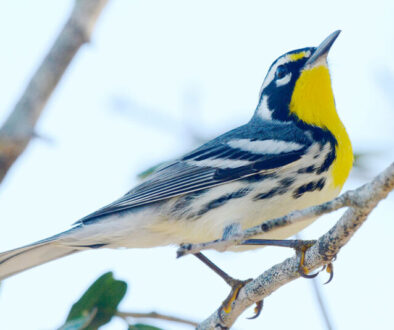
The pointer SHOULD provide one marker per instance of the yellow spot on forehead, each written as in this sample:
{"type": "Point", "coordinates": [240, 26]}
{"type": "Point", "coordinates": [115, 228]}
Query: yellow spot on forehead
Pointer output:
{"type": "Point", "coordinates": [297, 56]}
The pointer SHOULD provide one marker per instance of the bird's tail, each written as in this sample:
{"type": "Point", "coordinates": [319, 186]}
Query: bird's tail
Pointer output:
{"type": "Point", "coordinates": [29, 256]}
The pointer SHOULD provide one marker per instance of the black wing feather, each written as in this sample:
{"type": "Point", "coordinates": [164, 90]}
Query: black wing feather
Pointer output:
{"type": "Point", "coordinates": [186, 175]}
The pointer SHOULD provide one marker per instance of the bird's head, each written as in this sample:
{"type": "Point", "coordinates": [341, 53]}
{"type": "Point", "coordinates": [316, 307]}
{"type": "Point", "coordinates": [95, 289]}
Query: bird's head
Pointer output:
{"type": "Point", "coordinates": [298, 87]}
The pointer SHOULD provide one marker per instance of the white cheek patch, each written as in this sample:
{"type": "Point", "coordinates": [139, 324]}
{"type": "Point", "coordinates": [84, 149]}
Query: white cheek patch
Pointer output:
{"type": "Point", "coordinates": [283, 81]}
{"type": "Point", "coordinates": [264, 111]}
{"type": "Point", "coordinates": [265, 146]}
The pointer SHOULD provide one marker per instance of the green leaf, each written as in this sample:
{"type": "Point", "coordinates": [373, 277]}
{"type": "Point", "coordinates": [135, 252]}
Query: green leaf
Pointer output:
{"type": "Point", "coordinates": [149, 171]}
{"type": "Point", "coordinates": [80, 322]}
{"type": "Point", "coordinates": [140, 326]}
{"type": "Point", "coordinates": [104, 296]}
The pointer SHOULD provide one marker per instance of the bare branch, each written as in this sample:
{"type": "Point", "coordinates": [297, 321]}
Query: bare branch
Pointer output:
{"type": "Point", "coordinates": [360, 201]}
{"type": "Point", "coordinates": [19, 127]}
{"type": "Point", "coordinates": [154, 315]}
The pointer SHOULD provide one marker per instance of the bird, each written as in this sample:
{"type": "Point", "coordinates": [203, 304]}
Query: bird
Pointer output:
{"type": "Point", "coordinates": [293, 153]}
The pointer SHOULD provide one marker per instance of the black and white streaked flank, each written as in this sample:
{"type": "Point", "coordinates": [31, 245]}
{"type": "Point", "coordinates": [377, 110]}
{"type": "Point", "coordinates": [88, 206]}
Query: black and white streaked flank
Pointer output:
{"type": "Point", "coordinates": [264, 169]}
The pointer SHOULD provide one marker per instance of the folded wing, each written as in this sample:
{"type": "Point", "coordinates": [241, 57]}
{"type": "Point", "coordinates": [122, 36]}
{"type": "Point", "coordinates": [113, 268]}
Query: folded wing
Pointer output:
{"type": "Point", "coordinates": [235, 155]}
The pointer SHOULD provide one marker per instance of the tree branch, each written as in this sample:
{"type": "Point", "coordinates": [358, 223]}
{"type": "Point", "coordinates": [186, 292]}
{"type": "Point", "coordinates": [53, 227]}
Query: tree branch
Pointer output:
{"type": "Point", "coordinates": [350, 198]}
{"type": "Point", "coordinates": [19, 127]}
{"type": "Point", "coordinates": [154, 315]}
{"type": "Point", "coordinates": [360, 203]}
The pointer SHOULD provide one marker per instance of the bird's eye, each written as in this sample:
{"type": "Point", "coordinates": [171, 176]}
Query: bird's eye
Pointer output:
{"type": "Point", "coordinates": [281, 71]}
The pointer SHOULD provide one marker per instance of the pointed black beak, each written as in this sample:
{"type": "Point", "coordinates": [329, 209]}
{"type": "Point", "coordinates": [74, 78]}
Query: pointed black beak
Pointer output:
{"type": "Point", "coordinates": [323, 48]}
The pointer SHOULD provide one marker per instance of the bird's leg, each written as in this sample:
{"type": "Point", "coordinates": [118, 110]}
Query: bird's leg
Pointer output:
{"type": "Point", "coordinates": [236, 286]}
{"type": "Point", "coordinates": [226, 277]}
{"type": "Point", "coordinates": [301, 246]}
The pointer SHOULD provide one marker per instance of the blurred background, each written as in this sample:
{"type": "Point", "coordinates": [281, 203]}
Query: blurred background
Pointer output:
{"type": "Point", "coordinates": [157, 79]}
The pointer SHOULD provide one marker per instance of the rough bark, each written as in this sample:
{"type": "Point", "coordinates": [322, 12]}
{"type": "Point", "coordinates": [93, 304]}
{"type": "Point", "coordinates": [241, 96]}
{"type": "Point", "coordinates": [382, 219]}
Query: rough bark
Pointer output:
{"type": "Point", "coordinates": [19, 127]}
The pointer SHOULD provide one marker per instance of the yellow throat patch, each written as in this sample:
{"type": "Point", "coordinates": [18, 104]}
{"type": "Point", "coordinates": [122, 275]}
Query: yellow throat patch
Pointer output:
{"type": "Point", "coordinates": [313, 103]}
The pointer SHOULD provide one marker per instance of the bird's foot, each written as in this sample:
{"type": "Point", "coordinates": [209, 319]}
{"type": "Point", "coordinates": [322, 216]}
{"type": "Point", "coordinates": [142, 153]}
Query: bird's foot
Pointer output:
{"type": "Point", "coordinates": [236, 286]}
{"type": "Point", "coordinates": [300, 246]}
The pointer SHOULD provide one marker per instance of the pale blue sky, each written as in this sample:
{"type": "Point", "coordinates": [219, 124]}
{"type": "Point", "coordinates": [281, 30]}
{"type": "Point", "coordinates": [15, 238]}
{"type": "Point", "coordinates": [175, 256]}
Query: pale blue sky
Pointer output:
{"type": "Point", "coordinates": [156, 54]}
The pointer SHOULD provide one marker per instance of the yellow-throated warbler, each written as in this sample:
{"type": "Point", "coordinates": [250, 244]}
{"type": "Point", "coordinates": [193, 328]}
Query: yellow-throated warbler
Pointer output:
{"type": "Point", "coordinates": [292, 154]}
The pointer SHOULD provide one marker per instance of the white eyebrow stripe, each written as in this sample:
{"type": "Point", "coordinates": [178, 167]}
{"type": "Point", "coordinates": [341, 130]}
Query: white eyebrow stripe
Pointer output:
{"type": "Point", "coordinates": [263, 110]}
{"type": "Point", "coordinates": [283, 81]}
{"type": "Point", "coordinates": [265, 146]}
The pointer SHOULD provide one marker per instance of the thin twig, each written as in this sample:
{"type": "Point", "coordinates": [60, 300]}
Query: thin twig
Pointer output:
{"type": "Point", "coordinates": [19, 128]}
{"type": "Point", "coordinates": [154, 315]}
{"type": "Point", "coordinates": [364, 200]}
{"type": "Point", "coordinates": [321, 302]}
